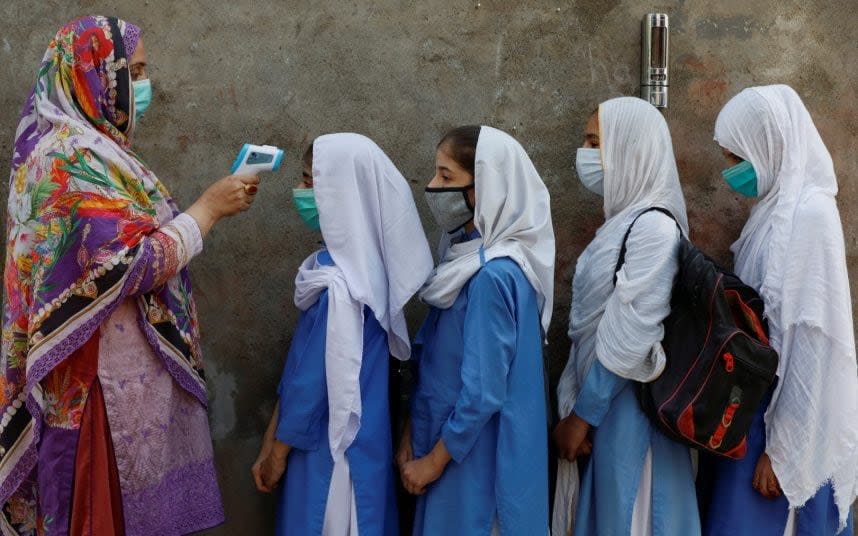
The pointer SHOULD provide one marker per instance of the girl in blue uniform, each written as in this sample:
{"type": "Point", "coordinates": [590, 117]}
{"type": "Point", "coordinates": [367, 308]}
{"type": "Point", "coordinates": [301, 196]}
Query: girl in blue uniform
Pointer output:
{"type": "Point", "coordinates": [799, 474]}
{"type": "Point", "coordinates": [475, 449]}
{"type": "Point", "coordinates": [332, 421]}
{"type": "Point", "coordinates": [635, 480]}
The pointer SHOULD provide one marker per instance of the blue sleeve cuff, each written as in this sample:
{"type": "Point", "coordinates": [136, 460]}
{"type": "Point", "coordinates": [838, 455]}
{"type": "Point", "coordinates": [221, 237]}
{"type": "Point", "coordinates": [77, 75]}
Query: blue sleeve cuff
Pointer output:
{"type": "Point", "coordinates": [591, 411]}
{"type": "Point", "coordinates": [300, 431]}
{"type": "Point", "coordinates": [599, 389]}
{"type": "Point", "coordinates": [458, 443]}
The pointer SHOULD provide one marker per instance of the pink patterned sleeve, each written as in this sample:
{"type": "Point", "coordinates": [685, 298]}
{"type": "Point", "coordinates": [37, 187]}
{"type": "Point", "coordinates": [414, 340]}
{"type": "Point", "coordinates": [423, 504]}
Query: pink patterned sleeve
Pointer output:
{"type": "Point", "coordinates": [169, 249]}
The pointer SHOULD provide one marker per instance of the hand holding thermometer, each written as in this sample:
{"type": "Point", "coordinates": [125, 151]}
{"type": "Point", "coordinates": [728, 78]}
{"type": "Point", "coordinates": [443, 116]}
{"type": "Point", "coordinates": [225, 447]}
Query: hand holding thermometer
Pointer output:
{"type": "Point", "coordinates": [255, 158]}
{"type": "Point", "coordinates": [221, 199]}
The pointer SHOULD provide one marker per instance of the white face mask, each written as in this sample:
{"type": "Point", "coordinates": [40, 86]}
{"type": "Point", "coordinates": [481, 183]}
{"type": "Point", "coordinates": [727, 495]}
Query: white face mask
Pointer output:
{"type": "Point", "coordinates": [588, 164]}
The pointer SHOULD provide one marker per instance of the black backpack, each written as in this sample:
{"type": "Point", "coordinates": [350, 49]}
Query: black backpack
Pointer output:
{"type": "Point", "coordinates": [719, 362]}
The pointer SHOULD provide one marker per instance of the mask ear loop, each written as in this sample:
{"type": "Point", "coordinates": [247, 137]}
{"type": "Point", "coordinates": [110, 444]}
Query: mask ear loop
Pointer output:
{"type": "Point", "coordinates": [468, 204]}
{"type": "Point", "coordinates": [132, 115]}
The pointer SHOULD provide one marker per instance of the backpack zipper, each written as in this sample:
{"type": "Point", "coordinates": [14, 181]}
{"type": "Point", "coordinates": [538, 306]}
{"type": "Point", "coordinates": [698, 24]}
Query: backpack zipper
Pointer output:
{"type": "Point", "coordinates": [750, 365]}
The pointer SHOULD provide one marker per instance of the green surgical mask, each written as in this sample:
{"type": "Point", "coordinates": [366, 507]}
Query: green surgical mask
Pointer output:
{"type": "Point", "coordinates": [305, 202]}
{"type": "Point", "coordinates": [742, 178]}
{"type": "Point", "coordinates": [142, 97]}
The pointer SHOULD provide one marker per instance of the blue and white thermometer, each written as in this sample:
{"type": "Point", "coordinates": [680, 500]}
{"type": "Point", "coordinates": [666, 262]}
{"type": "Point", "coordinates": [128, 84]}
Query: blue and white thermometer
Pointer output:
{"type": "Point", "coordinates": [255, 158]}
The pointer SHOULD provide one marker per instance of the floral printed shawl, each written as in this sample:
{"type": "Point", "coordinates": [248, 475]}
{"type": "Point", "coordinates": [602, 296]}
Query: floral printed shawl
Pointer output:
{"type": "Point", "coordinates": [80, 207]}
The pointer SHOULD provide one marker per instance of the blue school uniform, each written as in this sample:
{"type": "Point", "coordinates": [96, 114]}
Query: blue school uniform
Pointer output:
{"type": "Point", "coordinates": [303, 424]}
{"type": "Point", "coordinates": [730, 506]}
{"type": "Point", "coordinates": [481, 388]}
{"type": "Point", "coordinates": [621, 435]}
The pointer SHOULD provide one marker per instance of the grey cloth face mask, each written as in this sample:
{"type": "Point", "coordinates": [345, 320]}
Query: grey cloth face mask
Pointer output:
{"type": "Point", "coordinates": [450, 207]}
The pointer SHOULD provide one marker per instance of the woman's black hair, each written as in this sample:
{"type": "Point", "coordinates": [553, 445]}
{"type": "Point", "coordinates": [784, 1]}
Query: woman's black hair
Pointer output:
{"type": "Point", "coordinates": [461, 144]}
{"type": "Point", "coordinates": [308, 154]}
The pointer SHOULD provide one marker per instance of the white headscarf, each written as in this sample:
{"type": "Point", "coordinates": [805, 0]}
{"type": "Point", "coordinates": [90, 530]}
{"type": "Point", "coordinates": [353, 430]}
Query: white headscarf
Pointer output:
{"type": "Point", "coordinates": [639, 173]}
{"type": "Point", "coordinates": [513, 216]}
{"type": "Point", "coordinates": [373, 233]}
{"type": "Point", "coordinates": [791, 250]}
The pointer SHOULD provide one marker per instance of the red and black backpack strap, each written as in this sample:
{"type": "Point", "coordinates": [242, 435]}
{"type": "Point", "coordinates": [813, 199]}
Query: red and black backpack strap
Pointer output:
{"type": "Point", "coordinates": [622, 258]}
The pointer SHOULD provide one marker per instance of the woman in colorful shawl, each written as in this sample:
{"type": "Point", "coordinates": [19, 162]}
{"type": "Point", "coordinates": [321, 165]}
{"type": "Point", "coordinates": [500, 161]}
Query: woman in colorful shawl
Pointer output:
{"type": "Point", "coordinates": [103, 427]}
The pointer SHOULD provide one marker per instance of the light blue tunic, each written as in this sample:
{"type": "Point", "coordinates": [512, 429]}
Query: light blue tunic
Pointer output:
{"type": "Point", "coordinates": [732, 507]}
{"type": "Point", "coordinates": [303, 424]}
{"type": "Point", "coordinates": [481, 387]}
{"type": "Point", "coordinates": [611, 475]}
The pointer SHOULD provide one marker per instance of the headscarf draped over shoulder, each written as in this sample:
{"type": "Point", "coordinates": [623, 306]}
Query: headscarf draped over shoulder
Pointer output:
{"type": "Point", "coordinates": [792, 250]}
{"type": "Point", "coordinates": [640, 173]}
{"type": "Point", "coordinates": [513, 216]}
{"type": "Point", "coordinates": [372, 231]}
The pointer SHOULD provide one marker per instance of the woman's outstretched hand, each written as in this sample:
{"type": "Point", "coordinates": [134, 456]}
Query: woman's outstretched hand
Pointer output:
{"type": "Point", "coordinates": [226, 197]}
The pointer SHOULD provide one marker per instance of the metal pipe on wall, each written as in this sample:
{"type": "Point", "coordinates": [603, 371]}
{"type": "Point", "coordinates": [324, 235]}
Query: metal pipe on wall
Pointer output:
{"type": "Point", "coordinates": [655, 45]}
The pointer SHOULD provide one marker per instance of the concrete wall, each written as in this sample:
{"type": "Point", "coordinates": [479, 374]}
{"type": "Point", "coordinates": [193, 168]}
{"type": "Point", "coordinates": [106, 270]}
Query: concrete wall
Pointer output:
{"type": "Point", "coordinates": [403, 72]}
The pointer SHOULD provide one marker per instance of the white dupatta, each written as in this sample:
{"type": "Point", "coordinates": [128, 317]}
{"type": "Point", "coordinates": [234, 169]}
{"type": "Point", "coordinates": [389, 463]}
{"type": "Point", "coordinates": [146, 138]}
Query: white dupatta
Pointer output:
{"type": "Point", "coordinates": [373, 233]}
{"type": "Point", "coordinates": [639, 173]}
{"type": "Point", "coordinates": [513, 216]}
{"type": "Point", "coordinates": [792, 251]}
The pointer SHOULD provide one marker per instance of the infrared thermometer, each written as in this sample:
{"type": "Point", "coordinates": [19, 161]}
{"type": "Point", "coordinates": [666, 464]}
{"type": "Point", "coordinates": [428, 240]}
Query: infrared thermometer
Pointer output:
{"type": "Point", "coordinates": [255, 158]}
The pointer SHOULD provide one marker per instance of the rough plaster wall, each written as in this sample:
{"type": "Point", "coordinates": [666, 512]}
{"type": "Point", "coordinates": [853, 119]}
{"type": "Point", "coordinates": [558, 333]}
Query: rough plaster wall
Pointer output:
{"type": "Point", "coordinates": [403, 72]}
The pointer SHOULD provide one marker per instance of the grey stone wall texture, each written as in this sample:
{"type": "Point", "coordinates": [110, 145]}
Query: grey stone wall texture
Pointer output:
{"type": "Point", "coordinates": [403, 72]}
